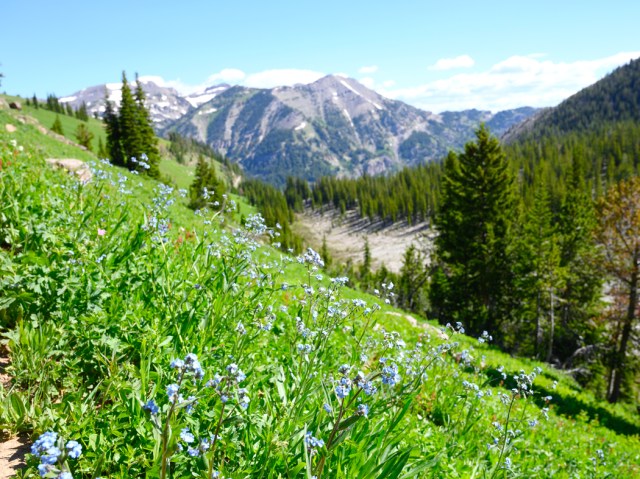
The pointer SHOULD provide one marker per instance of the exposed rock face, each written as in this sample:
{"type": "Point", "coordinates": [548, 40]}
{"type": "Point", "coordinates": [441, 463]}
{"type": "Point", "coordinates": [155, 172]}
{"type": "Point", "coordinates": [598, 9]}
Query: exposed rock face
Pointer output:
{"type": "Point", "coordinates": [10, 128]}
{"type": "Point", "coordinates": [77, 167]}
{"type": "Point", "coordinates": [334, 126]}
{"type": "Point", "coordinates": [15, 105]}
{"type": "Point", "coordinates": [165, 105]}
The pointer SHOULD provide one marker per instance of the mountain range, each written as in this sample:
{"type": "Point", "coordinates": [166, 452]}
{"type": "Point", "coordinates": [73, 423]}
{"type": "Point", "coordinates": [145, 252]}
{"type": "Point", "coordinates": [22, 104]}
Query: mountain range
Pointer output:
{"type": "Point", "coordinates": [333, 126]}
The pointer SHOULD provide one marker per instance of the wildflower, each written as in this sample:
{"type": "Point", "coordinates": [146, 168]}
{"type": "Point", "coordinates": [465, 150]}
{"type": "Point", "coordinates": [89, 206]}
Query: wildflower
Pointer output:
{"type": "Point", "coordinates": [177, 364]}
{"type": "Point", "coordinates": [344, 388]}
{"type": "Point", "coordinates": [75, 449]}
{"type": "Point", "coordinates": [363, 410]}
{"type": "Point", "coordinates": [101, 232]}
{"type": "Point", "coordinates": [312, 443]}
{"type": "Point", "coordinates": [151, 406]}
{"type": "Point", "coordinates": [390, 375]}
{"type": "Point", "coordinates": [172, 392]}
{"type": "Point", "coordinates": [327, 408]}
{"type": "Point", "coordinates": [187, 436]}
{"type": "Point", "coordinates": [243, 398]}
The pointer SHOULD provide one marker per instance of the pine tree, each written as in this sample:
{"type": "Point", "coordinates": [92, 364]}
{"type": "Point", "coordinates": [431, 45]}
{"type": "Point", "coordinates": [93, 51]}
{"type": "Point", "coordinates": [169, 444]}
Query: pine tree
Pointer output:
{"type": "Point", "coordinates": [84, 136]}
{"type": "Point", "coordinates": [82, 113]}
{"type": "Point", "coordinates": [365, 269]}
{"type": "Point", "coordinates": [206, 190]}
{"type": "Point", "coordinates": [540, 276]}
{"type": "Point", "coordinates": [578, 299]}
{"type": "Point", "coordinates": [34, 100]}
{"type": "Point", "coordinates": [473, 245]}
{"type": "Point", "coordinates": [57, 126]}
{"type": "Point", "coordinates": [114, 135]}
{"type": "Point", "coordinates": [129, 127]}
{"type": "Point", "coordinates": [102, 150]}
{"type": "Point", "coordinates": [69, 109]}
{"type": "Point", "coordinates": [412, 280]}
{"type": "Point", "coordinates": [148, 139]}
{"type": "Point", "coordinates": [325, 254]}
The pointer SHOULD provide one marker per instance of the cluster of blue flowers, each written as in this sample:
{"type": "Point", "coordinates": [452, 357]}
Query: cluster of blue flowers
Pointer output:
{"type": "Point", "coordinates": [313, 444]}
{"type": "Point", "coordinates": [52, 452]}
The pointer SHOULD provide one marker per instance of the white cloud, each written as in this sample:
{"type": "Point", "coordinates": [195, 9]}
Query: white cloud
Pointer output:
{"type": "Point", "coordinates": [462, 61]}
{"type": "Point", "coordinates": [368, 82]}
{"type": "Point", "coordinates": [368, 70]}
{"type": "Point", "coordinates": [228, 75]}
{"type": "Point", "coordinates": [281, 77]}
{"type": "Point", "coordinates": [516, 81]}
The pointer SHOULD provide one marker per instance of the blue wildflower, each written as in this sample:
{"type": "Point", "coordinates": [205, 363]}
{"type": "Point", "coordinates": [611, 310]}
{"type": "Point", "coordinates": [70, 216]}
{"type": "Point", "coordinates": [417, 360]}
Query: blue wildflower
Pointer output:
{"type": "Point", "coordinates": [187, 436]}
{"type": "Point", "coordinates": [151, 406]}
{"type": "Point", "coordinates": [75, 449]}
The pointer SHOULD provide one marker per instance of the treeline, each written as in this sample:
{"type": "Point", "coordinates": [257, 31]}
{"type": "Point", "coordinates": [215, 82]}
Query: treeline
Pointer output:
{"type": "Point", "coordinates": [131, 140]}
{"type": "Point", "coordinates": [53, 104]}
{"type": "Point", "coordinates": [410, 195]}
{"type": "Point", "coordinates": [605, 155]}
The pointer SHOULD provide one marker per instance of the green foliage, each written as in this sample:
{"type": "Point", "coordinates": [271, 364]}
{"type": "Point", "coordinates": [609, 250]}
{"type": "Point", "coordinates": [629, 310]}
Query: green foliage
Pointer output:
{"type": "Point", "coordinates": [206, 191]}
{"type": "Point", "coordinates": [57, 126]}
{"type": "Point", "coordinates": [104, 285]}
{"type": "Point", "coordinates": [131, 140]}
{"type": "Point", "coordinates": [474, 241]}
{"type": "Point", "coordinates": [84, 136]}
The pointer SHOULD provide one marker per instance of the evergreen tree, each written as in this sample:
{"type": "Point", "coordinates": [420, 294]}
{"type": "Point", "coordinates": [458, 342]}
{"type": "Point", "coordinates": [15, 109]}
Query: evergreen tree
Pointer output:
{"type": "Point", "coordinates": [540, 277]}
{"type": "Point", "coordinates": [412, 281]}
{"type": "Point", "coordinates": [365, 269]}
{"type": "Point", "coordinates": [474, 240]}
{"type": "Point", "coordinates": [114, 135]}
{"type": "Point", "coordinates": [69, 109]}
{"type": "Point", "coordinates": [102, 150]}
{"type": "Point", "coordinates": [206, 190]}
{"type": "Point", "coordinates": [82, 113]}
{"type": "Point", "coordinates": [131, 139]}
{"type": "Point", "coordinates": [57, 126]}
{"type": "Point", "coordinates": [34, 100]}
{"type": "Point", "coordinates": [84, 136]}
{"type": "Point", "coordinates": [325, 254]}
{"type": "Point", "coordinates": [148, 139]}
{"type": "Point", "coordinates": [578, 299]}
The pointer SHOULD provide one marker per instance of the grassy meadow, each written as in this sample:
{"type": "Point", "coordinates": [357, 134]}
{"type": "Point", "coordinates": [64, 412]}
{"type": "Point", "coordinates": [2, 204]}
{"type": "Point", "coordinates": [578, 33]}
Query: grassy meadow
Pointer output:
{"type": "Point", "coordinates": [170, 344]}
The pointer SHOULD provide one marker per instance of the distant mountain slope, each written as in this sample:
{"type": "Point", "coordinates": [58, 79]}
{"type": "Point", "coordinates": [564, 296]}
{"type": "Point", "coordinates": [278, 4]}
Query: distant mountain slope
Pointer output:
{"type": "Point", "coordinates": [334, 126]}
{"type": "Point", "coordinates": [165, 105]}
{"type": "Point", "coordinates": [615, 98]}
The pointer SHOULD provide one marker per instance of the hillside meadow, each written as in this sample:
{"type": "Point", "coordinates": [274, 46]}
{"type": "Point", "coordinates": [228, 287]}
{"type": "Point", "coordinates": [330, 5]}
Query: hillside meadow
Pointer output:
{"type": "Point", "coordinates": [144, 340]}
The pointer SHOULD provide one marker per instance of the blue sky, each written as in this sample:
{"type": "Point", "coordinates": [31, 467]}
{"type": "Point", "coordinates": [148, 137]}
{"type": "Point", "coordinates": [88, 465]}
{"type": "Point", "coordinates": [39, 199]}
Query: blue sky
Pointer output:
{"type": "Point", "coordinates": [444, 55]}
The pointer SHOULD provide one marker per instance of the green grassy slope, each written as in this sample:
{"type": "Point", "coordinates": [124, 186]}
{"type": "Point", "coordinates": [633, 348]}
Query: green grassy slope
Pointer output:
{"type": "Point", "coordinates": [103, 285]}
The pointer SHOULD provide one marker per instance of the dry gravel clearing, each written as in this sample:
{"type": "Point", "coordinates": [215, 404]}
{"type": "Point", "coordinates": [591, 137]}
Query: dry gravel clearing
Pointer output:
{"type": "Point", "coordinates": [346, 237]}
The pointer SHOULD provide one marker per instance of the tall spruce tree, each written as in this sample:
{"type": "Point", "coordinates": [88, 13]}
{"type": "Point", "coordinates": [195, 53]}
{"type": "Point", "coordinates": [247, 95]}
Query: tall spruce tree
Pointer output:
{"type": "Point", "coordinates": [540, 278]}
{"type": "Point", "coordinates": [473, 245]}
{"type": "Point", "coordinates": [579, 297]}
{"type": "Point", "coordinates": [57, 126]}
{"type": "Point", "coordinates": [114, 136]}
{"type": "Point", "coordinates": [206, 190]}
{"type": "Point", "coordinates": [148, 139]}
{"type": "Point", "coordinates": [131, 138]}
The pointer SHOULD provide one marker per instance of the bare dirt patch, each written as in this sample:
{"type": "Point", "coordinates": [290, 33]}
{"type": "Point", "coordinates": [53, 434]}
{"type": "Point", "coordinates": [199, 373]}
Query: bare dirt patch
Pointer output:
{"type": "Point", "coordinates": [346, 237]}
{"type": "Point", "coordinates": [12, 456]}
{"type": "Point", "coordinates": [12, 449]}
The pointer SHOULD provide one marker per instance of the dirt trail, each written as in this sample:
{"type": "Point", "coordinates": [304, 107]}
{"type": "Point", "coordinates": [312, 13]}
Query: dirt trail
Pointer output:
{"type": "Point", "coordinates": [12, 449]}
{"type": "Point", "coordinates": [346, 237]}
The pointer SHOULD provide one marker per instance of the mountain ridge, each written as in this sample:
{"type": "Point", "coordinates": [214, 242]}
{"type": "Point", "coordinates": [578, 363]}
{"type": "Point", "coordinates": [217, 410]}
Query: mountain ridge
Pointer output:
{"type": "Point", "coordinates": [333, 126]}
